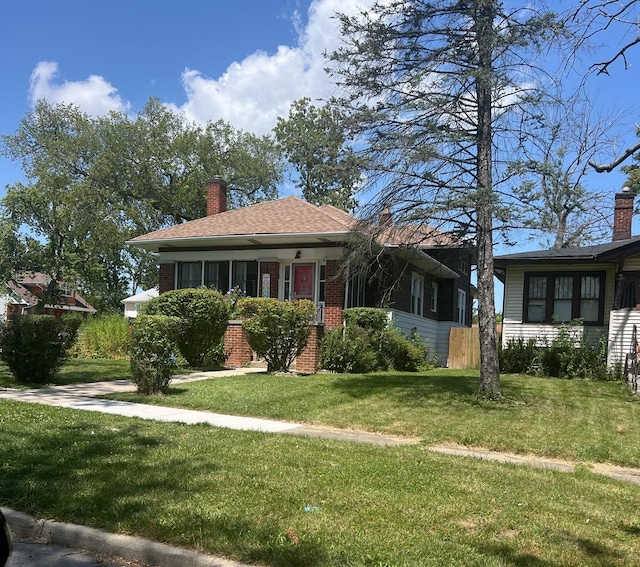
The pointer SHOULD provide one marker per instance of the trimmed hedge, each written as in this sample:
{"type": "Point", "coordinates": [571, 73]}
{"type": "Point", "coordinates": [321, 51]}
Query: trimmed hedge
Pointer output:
{"type": "Point", "coordinates": [35, 347]}
{"type": "Point", "coordinates": [277, 331]}
{"type": "Point", "coordinates": [153, 352]}
{"type": "Point", "coordinates": [204, 314]}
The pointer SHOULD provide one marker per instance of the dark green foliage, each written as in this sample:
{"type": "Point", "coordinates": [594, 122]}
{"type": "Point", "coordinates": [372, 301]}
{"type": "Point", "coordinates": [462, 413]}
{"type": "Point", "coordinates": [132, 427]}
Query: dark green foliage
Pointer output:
{"type": "Point", "coordinates": [368, 343]}
{"type": "Point", "coordinates": [204, 314]}
{"type": "Point", "coordinates": [153, 352]}
{"type": "Point", "coordinates": [348, 350]}
{"type": "Point", "coordinates": [518, 356]}
{"type": "Point", "coordinates": [370, 318]}
{"type": "Point", "coordinates": [277, 330]}
{"type": "Point", "coordinates": [35, 347]}
{"type": "Point", "coordinates": [568, 355]}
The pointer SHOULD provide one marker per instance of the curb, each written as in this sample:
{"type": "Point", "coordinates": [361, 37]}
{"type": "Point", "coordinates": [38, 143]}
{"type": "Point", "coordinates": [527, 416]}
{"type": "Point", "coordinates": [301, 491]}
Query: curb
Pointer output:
{"type": "Point", "coordinates": [126, 547]}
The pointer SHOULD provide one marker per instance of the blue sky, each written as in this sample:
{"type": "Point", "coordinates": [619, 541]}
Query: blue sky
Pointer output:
{"type": "Point", "coordinates": [244, 61]}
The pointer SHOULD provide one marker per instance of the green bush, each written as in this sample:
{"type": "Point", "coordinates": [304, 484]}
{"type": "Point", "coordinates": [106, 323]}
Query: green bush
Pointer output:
{"type": "Point", "coordinates": [35, 347]}
{"type": "Point", "coordinates": [370, 318]}
{"type": "Point", "coordinates": [348, 349]}
{"type": "Point", "coordinates": [519, 356]}
{"type": "Point", "coordinates": [106, 336]}
{"type": "Point", "coordinates": [204, 314]}
{"type": "Point", "coordinates": [277, 330]}
{"type": "Point", "coordinates": [399, 352]}
{"type": "Point", "coordinates": [153, 352]}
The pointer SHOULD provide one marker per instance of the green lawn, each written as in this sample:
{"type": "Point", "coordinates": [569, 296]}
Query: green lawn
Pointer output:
{"type": "Point", "coordinates": [75, 371]}
{"type": "Point", "coordinates": [290, 501]}
{"type": "Point", "coordinates": [572, 419]}
{"type": "Point", "coordinates": [252, 496]}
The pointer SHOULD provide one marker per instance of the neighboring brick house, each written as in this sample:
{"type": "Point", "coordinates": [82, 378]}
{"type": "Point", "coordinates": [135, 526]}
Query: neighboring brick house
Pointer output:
{"type": "Point", "coordinates": [22, 295]}
{"type": "Point", "coordinates": [291, 249]}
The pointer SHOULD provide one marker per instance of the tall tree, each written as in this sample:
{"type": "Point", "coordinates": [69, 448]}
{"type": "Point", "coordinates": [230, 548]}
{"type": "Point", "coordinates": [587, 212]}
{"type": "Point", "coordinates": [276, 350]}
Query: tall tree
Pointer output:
{"type": "Point", "coordinates": [433, 88]}
{"type": "Point", "coordinates": [314, 140]}
{"type": "Point", "coordinates": [93, 183]}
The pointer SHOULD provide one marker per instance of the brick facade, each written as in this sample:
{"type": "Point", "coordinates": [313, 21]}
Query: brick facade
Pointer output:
{"type": "Point", "coordinates": [334, 294]}
{"type": "Point", "coordinates": [273, 269]}
{"type": "Point", "coordinates": [309, 360]}
{"type": "Point", "coordinates": [166, 277]}
{"type": "Point", "coordinates": [237, 351]}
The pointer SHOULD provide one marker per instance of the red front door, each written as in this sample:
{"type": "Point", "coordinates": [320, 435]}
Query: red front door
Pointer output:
{"type": "Point", "coordinates": [303, 281]}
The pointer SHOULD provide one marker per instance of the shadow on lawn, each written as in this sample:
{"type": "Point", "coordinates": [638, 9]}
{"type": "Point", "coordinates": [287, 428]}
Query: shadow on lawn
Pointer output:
{"type": "Point", "coordinates": [119, 476]}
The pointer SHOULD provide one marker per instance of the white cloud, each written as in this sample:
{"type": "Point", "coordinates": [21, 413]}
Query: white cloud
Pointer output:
{"type": "Point", "coordinates": [95, 95]}
{"type": "Point", "coordinates": [250, 94]}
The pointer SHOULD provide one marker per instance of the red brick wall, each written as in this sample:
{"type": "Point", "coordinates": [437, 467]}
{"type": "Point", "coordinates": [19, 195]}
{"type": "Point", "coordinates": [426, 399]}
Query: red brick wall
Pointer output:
{"type": "Point", "coordinates": [333, 295]}
{"type": "Point", "coordinates": [237, 351]}
{"type": "Point", "coordinates": [309, 359]}
{"type": "Point", "coordinates": [167, 277]}
{"type": "Point", "coordinates": [623, 216]}
{"type": "Point", "coordinates": [273, 269]}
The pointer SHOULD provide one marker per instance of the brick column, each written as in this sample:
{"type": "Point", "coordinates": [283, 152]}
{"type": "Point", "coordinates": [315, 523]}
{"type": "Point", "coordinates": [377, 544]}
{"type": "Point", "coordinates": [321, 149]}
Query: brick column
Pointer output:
{"type": "Point", "coordinates": [273, 269]}
{"type": "Point", "coordinates": [309, 360]}
{"type": "Point", "coordinates": [237, 352]}
{"type": "Point", "coordinates": [167, 277]}
{"type": "Point", "coordinates": [333, 295]}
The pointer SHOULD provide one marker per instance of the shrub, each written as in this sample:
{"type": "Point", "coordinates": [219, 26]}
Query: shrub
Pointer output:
{"type": "Point", "coordinates": [35, 347]}
{"type": "Point", "coordinates": [370, 318]}
{"type": "Point", "coordinates": [153, 352]}
{"type": "Point", "coordinates": [519, 356]}
{"type": "Point", "coordinates": [277, 330]}
{"type": "Point", "coordinates": [106, 336]}
{"type": "Point", "coordinates": [204, 314]}
{"type": "Point", "coordinates": [399, 352]}
{"type": "Point", "coordinates": [348, 349]}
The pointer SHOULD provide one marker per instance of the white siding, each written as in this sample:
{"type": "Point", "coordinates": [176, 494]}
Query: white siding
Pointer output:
{"type": "Point", "coordinates": [435, 333]}
{"type": "Point", "coordinates": [512, 325]}
{"type": "Point", "coordinates": [620, 331]}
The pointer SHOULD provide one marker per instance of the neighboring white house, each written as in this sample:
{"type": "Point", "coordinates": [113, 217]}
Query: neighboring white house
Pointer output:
{"type": "Point", "coordinates": [134, 303]}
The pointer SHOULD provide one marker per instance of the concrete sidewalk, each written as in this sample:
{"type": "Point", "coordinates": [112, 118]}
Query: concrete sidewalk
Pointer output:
{"type": "Point", "coordinates": [87, 397]}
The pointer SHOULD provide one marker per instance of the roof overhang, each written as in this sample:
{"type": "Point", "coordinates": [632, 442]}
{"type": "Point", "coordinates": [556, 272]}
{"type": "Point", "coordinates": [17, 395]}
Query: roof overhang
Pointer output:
{"type": "Point", "coordinates": [242, 240]}
{"type": "Point", "coordinates": [423, 261]}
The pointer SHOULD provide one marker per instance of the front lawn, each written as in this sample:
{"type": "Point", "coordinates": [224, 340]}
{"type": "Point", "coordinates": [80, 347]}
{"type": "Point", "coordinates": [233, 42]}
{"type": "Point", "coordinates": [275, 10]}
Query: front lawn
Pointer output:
{"type": "Point", "coordinates": [572, 419]}
{"type": "Point", "coordinates": [290, 501]}
{"type": "Point", "coordinates": [75, 371]}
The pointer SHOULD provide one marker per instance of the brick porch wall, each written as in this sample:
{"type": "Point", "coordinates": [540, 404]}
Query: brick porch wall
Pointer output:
{"type": "Point", "coordinates": [237, 351]}
{"type": "Point", "coordinates": [309, 359]}
{"type": "Point", "coordinates": [333, 295]}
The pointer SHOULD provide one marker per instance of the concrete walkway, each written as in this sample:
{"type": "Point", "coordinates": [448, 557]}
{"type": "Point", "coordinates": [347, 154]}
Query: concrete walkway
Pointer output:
{"type": "Point", "coordinates": [87, 397]}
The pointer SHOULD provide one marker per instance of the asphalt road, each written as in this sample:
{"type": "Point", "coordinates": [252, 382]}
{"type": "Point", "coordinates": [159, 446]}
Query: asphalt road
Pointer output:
{"type": "Point", "coordinates": [37, 554]}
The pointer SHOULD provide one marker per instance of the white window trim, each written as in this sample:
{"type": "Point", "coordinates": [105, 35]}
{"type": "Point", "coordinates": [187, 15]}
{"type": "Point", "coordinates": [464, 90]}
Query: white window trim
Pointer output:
{"type": "Point", "coordinates": [416, 306]}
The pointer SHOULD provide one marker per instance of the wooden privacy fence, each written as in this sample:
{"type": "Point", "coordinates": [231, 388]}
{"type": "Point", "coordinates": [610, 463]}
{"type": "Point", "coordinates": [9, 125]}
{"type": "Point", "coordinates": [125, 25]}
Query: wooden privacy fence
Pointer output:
{"type": "Point", "coordinates": [464, 347]}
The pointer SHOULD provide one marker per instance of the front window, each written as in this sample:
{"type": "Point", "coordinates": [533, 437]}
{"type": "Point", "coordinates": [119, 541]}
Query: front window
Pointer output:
{"type": "Point", "coordinates": [461, 310]}
{"type": "Point", "coordinates": [434, 297]}
{"type": "Point", "coordinates": [355, 291]}
{"type": "Point", "coordinates": [563, 297]}
{"type": "Point", "coordinates": [245, 276]}
{"type": "Point", "coordinates": [417, 293]}
{"type": "Point", "coordinates": [189, 275]}
{"type": "Point", "coordinates": [216, 276]}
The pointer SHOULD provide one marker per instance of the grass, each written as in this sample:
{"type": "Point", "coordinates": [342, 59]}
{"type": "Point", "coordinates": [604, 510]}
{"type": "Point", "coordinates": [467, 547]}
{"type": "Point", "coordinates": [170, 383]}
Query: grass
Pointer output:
{"type": "Point", "coordinates": [572, 419]}
{"type": "Point", "coordinates": [291, 501]}
{"type": "Point", "coordinates": [75, 371]}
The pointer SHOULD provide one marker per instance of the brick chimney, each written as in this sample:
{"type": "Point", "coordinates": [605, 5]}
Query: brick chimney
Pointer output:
{"type": "Point", "coordinates": [385, 217]}
{"type": "Point", "coordinates": [623, 215]}
{"type": "Point", "coordinates": [216, 196]}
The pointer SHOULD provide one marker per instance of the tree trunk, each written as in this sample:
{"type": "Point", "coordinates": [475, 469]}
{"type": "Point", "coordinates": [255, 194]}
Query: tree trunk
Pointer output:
{"type": "Point", "coordinates": [489, 365]}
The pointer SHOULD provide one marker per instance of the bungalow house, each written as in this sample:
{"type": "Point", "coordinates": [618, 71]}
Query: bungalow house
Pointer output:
{"type": "Point", "coordinates": [597, 285]}
{"type": "Point", "coordinates": [291, 249]}
{"type": "Point", "coordinates": [22, 295]}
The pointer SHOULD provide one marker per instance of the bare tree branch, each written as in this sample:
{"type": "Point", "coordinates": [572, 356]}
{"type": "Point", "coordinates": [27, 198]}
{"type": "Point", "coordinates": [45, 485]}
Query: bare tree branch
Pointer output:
{"type": "Point", "coordinates": [603, 67]}
{"type": "Point", "coordinates": [608, 167]}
